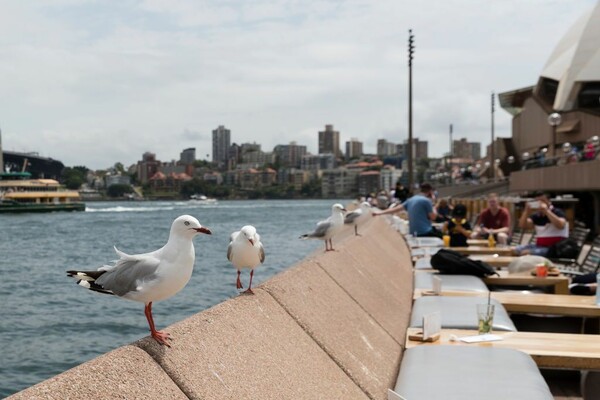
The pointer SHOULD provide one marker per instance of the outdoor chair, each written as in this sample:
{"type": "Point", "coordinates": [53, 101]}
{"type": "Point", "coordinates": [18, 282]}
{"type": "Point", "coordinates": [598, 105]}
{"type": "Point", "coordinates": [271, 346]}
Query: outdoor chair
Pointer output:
{"type": "Point", "coordinates": [590, 263]}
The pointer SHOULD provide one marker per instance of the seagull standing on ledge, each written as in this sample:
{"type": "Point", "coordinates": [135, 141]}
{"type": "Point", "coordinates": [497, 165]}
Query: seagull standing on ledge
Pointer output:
{"type": "Point", "coordinates": [245, 251]}
{"type": "Point", "coordinates": [151, 276]}
{"type": "Point", "coordinates": [328, 228]}
{"type": "Point", "coordinates": [359, 215]}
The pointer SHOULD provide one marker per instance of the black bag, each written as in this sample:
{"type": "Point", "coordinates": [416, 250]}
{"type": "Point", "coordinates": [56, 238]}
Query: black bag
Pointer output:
{"type": "Point", "coordinates": [453, 263]}
{"type": "Point", "coordinates": [566, 248]}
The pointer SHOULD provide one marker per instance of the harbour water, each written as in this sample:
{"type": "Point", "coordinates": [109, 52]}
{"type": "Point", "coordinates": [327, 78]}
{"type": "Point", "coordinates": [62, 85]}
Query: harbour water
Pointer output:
{"type": "Point", "coordinates": [48, 324]}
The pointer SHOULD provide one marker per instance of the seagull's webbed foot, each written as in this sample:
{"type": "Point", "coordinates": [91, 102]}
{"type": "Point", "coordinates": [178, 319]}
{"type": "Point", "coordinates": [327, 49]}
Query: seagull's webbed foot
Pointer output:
{"type": "Point", "coordinates": [161, 337]}
{"type": "Point", "coordinates": [248, 291]}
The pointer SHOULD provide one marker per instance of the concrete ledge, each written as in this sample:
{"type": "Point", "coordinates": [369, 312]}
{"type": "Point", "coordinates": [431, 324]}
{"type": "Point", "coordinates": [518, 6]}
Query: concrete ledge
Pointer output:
{"type": "Point", "coordinates": [249, 348]}
{"type": "Point", "coordinates": [332, 327]}
{"type": "Point", "coordinates": [351, 337]}
{"type": "Point", "coordinates": [125, 373]}
{"type": "Point", "coordinates": [381, 282]}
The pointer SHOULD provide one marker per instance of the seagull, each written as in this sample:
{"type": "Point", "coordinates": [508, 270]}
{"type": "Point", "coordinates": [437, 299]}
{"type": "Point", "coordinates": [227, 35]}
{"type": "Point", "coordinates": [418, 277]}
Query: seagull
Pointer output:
{"type": "Point", "coordinates": [357, 216]}
{"type": "Point", "coordinates": [245, 251]}
{"type": "Point", "coordinates": [328, 228]}
{"type": "Point", "coordinates": [151, 276]}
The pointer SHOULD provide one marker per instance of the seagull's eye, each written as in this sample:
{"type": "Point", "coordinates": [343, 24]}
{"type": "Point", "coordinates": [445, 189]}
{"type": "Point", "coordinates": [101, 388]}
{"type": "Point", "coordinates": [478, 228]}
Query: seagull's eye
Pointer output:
{"type": "Point", "coordinates": [187, 223]}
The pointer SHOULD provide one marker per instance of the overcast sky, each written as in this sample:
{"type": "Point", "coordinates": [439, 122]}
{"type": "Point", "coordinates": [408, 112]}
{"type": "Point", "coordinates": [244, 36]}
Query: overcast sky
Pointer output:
{"type": "Point", "coordinates": [97, 82]}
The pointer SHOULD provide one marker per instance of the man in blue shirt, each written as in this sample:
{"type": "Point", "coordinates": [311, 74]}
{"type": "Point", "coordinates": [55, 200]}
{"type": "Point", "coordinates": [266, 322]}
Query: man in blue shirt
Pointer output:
{"type": "Point", "coordinates": [420, 212]}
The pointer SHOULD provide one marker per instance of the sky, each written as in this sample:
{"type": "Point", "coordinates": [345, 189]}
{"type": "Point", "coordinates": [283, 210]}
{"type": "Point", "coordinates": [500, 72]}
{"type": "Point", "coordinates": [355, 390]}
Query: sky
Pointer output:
{"type": "Point", "coordinates": [94, 82]}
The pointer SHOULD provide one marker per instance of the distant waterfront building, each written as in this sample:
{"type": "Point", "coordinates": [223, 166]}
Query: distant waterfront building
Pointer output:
{"type": "Point", "coordinates": [339, 182]}
{"type": "Point", "coordinates": [420, 149]}
{"type": "Point", "coordinates": [388, 177]}
{"type": "Point", "coordinates": [148, 167]}
{"type": "Point", "coordinates": [368, 182]}
{"type": "Point", "coordinates": [289, 155]}
{"type": "Point", "coordinates": [385, 148]}
{"type": "Point", "coordinates": [311, 162]}
{"type": "Point", "coordinates": [354, 149]}
{"type": "Point", "coordinates": [329, 141]}
{"type": "Point", "coordinates": [188, 156]}
{"type": "Point", "coordinates": [117, 180]}
{"type": "Point", "coordinates": [221, 140]}
{"type": "Point", "coordinates": [466, 150]}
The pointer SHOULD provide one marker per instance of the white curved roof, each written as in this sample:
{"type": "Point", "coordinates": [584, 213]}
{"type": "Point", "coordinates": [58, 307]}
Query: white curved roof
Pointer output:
{"type": "Point", "coordinates": [576, 58]}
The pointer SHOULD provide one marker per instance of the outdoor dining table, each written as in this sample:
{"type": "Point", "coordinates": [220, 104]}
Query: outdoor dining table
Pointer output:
{"type": "Point", "coordinates": [548, 350]}
{"type": "Point", "coordinates": [470, 250]}
{"type": "Point", "coordinates": [535, 303]}
{"type": "Point", "coordinates": [559, 283]}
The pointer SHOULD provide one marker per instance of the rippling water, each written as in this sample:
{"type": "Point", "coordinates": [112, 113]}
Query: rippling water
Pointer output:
{"type": "Point", "coordinates": [48, 324]}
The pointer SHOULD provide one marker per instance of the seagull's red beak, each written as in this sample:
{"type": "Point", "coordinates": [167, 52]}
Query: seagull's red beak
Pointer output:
{"type": "Point", "coordinates": [251, 242]}
{"type": "Point", "coordinates": [344, 210]}
{"type": "Point", "coordinates": [203, 230]}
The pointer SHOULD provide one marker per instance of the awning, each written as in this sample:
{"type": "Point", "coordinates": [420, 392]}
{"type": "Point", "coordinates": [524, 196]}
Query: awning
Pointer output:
{"type": "Point", "coordinates": [568, 126]}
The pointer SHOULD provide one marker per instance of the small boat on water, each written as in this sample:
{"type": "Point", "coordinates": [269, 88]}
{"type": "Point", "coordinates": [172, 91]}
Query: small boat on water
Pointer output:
{"type": "Point", "coordinates": [19, 193]}
{"type": "Point", "coordinates": [200, 198]}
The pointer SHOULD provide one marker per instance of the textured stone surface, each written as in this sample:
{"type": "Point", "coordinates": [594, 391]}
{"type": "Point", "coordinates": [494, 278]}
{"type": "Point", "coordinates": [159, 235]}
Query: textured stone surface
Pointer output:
{"type": "Point", "coordinates": [378, 281]}
{"type": "Point", "coordinates": [249, 348]}
{"type": "Point", "coordinates": [125, 373]}
{"type": "Point", "coordinates": [350, 336]}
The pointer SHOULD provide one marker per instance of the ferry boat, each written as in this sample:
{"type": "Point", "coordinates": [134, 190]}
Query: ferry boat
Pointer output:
{"type": "Point", "coordinates": [19, 193]}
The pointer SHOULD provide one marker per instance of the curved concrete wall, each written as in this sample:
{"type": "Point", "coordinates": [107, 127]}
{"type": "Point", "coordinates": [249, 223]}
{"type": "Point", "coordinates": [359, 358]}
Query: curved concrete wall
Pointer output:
{"type": "Point", "coordinates": [333, 326]}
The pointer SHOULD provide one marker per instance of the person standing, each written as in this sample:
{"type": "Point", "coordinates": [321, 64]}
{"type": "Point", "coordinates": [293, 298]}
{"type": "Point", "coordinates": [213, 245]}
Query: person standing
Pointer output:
{"type": "Point", "coordinates": [420, 212]}
{"type": "Point", "coordinates": [494, 220]}
{"type": "Point", "coordinates": [549, 222]}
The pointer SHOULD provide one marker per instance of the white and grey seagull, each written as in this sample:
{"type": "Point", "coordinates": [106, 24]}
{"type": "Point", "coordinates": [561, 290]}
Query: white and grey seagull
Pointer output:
{"type": "Point", "coordinates": [356, 217]}
{"type": "Point", "coordinates": [152, 276]}
{"type": "Point", "coordinates": [328, 228]}
{"type": "Point", "coordinates": [245, 250]}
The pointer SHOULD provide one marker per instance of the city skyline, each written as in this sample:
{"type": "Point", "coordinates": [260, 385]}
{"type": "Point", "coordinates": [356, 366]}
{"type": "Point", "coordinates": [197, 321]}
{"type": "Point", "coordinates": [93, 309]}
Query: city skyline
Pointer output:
{"type": "Point", "coordinates": [98, 83]}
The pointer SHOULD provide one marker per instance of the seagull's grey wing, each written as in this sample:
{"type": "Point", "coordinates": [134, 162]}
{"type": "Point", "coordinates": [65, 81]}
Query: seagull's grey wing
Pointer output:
{"type": "Point", "coordinates": [261, 253]}
{"type": "Point", "coordinates": [127, 274]}
{"type": "Point", "coordinates": [351, 217]}
{"type": "Point", "coordinates": [230, 251]}
{"type": "Point", "coordinates": [321, 230]}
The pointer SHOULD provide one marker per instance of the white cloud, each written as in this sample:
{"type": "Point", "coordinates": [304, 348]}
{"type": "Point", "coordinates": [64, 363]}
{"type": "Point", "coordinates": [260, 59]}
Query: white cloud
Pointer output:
{"type": "Point", "coordinates": [94, 83]}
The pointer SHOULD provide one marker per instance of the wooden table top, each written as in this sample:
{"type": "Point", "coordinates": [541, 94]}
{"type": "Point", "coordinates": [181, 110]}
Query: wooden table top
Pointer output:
{"type": "Point", "coordinates": [534, 303]}
{"type": "Point", "coordinates": [548, 350]}
{"type": "Point", "coordinates": [477, 242]}
{"type": "Point", "coordinates": [560, 282]}
{"type": "Point", "coordinates": [501, 251]}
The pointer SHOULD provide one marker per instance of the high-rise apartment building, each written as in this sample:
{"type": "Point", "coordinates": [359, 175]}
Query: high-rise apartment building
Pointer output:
{"type": "Point", "coordinates": [289, 155]}
{"type": "Point", "coordinates": [464, 149]}
{"type": "Point", "coordinates": [188, 156]}
{"type": "Point", "coordinates": [354, 149]}
{"type": "Point", "coordinates": [419, 148]}
{"type": "Point", "coordinates": [221, 140]}
{"type": "Point", "coordinates": [385, 148]}
{"type": "Point", "coordinates": [329, 141]}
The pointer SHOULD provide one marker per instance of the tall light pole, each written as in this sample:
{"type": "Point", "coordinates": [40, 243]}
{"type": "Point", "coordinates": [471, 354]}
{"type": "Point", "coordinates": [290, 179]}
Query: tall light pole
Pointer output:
{"type": "Point", "coordinates": [450, 155]}
{"type": "Point", "coordinates": [492, 158]}
{"type": "Point", "coordinates": [411, 50]}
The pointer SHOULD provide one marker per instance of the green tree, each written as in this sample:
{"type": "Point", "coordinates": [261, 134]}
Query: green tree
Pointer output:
{"type": "Point", "coordinates": [119, 190]}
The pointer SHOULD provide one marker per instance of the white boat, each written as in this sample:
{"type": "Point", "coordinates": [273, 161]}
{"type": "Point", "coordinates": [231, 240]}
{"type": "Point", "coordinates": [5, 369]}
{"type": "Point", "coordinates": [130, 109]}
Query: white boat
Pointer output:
{"type": "Point", "coordinates": [200, 198]}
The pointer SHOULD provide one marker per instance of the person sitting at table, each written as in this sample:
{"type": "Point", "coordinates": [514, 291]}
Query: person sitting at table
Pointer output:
{"type": "Point", "coordinates": [494, 220]}
{"type": "Point", "coordinates": [444, 210]}
{"type": "Point", "coordinates": [549, 222]}
{"type": "Point", "coordinates": [458, 227]}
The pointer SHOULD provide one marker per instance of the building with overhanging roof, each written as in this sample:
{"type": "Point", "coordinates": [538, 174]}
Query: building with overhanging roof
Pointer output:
{"type": "Point", "coordinates": [558, 117]}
